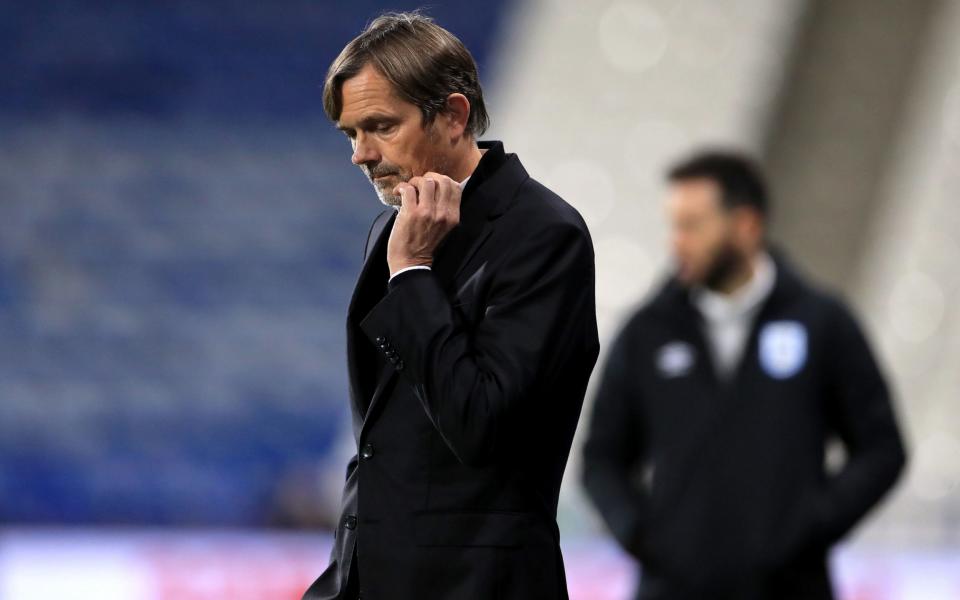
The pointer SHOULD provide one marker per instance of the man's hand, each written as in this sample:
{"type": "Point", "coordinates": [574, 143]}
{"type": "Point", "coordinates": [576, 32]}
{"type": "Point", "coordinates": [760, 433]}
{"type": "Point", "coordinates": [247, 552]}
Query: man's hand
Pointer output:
{"type": "Point", "coordinates": [430, 209]}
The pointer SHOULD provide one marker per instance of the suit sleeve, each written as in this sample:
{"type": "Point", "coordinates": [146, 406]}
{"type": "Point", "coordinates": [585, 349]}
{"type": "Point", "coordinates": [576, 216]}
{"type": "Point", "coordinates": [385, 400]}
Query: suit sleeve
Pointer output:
{"type": "Point", "coordinates": [613, 450]}
{"type": "Point", "coordinates": [472, 382]}
{"type": "Point", "coordinates": [859, 409]}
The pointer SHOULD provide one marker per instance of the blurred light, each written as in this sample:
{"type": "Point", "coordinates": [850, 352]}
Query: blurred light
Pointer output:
{"type": "Point", "coordinates": [936, 470]}
{"type": "Point", "coordinates": [586, 185]}
{"type": "Point", "coordinates": [941, 255]}
{"type": "Point", "coordinates": [624, 272]}
{"type": "Point", "coordinates": [951, 116]}
{"type": "Point", "coordinates": [633, 36]}
{"type": "Point", "coordinates": [652, 144]}
{"type": "Point", "coordinates": [708, 34]}
{"type": "Point", "coordinates": [916, 307]}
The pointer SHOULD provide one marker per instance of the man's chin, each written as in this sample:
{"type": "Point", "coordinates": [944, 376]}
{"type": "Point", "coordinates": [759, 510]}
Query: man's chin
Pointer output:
{"type": "Point", "coordinates": [386, 198]}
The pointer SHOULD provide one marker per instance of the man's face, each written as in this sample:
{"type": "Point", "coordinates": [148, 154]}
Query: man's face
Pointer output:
{"type": "Point", "coordinates": [702, 233]}
{"type": "Point", "coordinates": [389, 140]}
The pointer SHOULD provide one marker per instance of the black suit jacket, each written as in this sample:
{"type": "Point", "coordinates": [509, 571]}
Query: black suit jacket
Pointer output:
{"type": "Point", "coordinates": [466, 387]}
{"type": "Point", "coordinates": [734, 502]}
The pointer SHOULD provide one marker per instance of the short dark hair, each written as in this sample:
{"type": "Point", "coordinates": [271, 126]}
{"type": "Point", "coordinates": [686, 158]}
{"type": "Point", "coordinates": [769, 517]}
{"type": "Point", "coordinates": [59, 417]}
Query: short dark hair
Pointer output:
{"type": "Point", "coordinates": [423, 62]}
{"type": "Point", "coordinates": [738, 176]}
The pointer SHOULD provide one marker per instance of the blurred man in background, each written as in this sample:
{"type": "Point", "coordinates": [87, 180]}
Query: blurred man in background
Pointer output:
{"type": "Point", "coordinates": [706, 449]}
{"type": "Point", "coordinates": [471, 336]}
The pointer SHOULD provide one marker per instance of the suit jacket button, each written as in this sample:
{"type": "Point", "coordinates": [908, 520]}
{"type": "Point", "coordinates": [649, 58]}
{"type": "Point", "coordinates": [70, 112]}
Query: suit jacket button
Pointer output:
{"type": "Point", "coordinates": [367, 452]}
{"type": "Point", "coordinates": [350, 522]}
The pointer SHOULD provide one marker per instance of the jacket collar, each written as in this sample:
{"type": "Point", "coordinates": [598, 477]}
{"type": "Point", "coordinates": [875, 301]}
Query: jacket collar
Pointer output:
{"type": "Point", "coordinates": [490, 191]}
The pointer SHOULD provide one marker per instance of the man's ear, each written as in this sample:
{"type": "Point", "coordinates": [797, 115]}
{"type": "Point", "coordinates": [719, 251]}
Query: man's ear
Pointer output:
{"type": "Point", "coordinates": [750, 223]}
{"type": "Point", "coordinates": [457, 114]}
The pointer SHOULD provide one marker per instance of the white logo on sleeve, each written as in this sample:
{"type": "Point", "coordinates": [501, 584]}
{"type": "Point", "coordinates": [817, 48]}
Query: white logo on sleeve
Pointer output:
{"type": "Point", "coordinates": [675, 359]}
{"type": "Point", "coordinates": [783, 348]}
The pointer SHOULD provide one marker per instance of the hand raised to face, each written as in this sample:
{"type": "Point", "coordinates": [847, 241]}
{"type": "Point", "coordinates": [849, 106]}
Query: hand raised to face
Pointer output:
{"type": "Point", "coordinates": [429, 210]}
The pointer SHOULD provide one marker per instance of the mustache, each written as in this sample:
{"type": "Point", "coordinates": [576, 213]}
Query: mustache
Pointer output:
{"type": "Point", "coordinates": [380, 171]}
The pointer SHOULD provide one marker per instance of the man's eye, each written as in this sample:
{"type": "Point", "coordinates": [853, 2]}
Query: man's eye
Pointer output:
{"type": "Point", "coordinates": [385, 128]}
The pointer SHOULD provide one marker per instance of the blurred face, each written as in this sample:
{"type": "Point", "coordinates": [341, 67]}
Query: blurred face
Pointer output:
{"type": "Point", "coordinates": [706, 237]}
{"type": "Point", "coordinates": [390, 143]}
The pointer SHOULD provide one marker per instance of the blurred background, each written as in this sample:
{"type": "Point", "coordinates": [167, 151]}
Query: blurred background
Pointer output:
{"type": "Point", "coordinates": [181, 229]}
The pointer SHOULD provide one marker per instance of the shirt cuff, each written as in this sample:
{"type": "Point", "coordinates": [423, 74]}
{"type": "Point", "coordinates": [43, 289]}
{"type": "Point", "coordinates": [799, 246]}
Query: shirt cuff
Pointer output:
{"type": "Point", "coordinates": [426, 267]}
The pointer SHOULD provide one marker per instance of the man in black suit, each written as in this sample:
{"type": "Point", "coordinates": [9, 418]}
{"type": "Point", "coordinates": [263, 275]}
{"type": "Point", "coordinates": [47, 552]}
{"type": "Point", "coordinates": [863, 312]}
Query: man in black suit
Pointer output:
{"type": "Point", "coordinates": [705, 455]}
{"type": "Point", "coordinates": [471, 335]}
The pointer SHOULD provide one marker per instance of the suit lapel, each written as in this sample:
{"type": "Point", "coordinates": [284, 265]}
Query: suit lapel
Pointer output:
{"type": "Point", "coordinates": [462, 243]}
{"type": "Point", "coordinates": [376, 244]}
{"type": "Point", "coordinates": [488, 194]}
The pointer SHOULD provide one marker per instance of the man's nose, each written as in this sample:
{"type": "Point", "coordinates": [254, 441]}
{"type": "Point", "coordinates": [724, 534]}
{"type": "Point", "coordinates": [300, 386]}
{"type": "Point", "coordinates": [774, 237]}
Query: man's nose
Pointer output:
{"type": "Point", "coordinates": [364, 151]}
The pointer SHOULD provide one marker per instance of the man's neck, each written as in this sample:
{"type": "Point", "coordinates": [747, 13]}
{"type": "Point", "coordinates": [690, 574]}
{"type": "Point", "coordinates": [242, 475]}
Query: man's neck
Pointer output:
{"type": "Point", "coordinates": [741, 278]}
{"type": "Point", "coordinates": [466, 164]}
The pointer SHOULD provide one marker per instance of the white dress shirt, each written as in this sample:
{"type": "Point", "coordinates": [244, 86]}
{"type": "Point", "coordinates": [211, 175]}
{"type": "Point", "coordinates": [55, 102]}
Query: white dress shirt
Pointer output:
{"type": "Point", "coordinates": [427, 267]}
{"type": "Point", "coordinates": [728, 318]}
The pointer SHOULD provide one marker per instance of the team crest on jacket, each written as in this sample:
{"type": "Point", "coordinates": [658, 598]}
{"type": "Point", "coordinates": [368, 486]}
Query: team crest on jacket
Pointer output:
{"type": "Point", "coordinates": [783, 348]}
{"type": "Point", "coordinates": [675, 359]}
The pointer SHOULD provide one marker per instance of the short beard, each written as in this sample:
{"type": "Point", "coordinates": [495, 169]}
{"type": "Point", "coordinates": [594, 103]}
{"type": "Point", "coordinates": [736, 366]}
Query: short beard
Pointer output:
{"type": "Point", "coordinates": [727, 263]}
{"type": "Point", "coordinates": [385, 194]}
{"type": "Point", "coordinates": [387, 197]}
